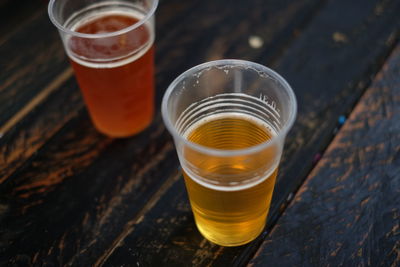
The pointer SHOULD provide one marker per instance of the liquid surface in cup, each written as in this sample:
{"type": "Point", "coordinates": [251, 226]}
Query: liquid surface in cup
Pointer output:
{"type": "Point", "coordinates": [225, 216]}
{"type": "Point", "coordinates": [115, 74]}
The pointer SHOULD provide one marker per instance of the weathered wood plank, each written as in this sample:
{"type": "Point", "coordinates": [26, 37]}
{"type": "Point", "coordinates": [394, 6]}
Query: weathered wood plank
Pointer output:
{"type": "Point", "coordinates": [16, 14]}
{"type": "Point", "coordinates": [25, 138]}
{"type": "Point", "coordinates": [214, 32]}
{"type": "Point", "coordinates": [68, 178]}
{"type": "Point", "coordinates": [63, 206]}
{"type": "Point", "coordinates": [23, 133]}
{"type": "Point", "coordinates": [25, 74]}
{"type": "Point", "coordinates": [282, 32]}
{"type": "Point", "coordinates": [328, 74]}
{"type": "Point", "coordinates": [29, 133]}
{"type": "Point", "coordinates": [347, 213]}
{"type": "Point", "coordinates": [31, 58]}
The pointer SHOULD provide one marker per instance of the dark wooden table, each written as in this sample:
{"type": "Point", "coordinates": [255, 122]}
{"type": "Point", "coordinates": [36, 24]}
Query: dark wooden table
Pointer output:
{"type": "Point", "coordinates": [70, 196]}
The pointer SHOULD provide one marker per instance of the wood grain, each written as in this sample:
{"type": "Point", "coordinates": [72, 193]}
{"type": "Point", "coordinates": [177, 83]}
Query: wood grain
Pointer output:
{"type": "Point", "coordinates": [37, 122]}
{"type": "Point", "coordinates": [214, 31]}
{"type": "Point", "coordinates": [328, 78]}
{"type": "Point", "coordinates": [347, 213]}
{"type": "Point", "coordinates": [35, 101]}
{"type": "Point", "coordinates": [60, 156]}
{"type": "Point", "coordinates": [14, 15]}
{"type": "Point", "coordinates": [80, 194]}
{"type": "Point", "coordinates": [75, 197]}
{"type": "Point", "coordinates": [32, 56]}
{"type": "Point", "coordinates": [167, 16]}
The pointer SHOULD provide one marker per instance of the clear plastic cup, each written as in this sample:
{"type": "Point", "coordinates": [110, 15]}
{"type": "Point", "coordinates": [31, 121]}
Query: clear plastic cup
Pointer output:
{"type": "Point", "coordinates": [110, 47]}
{"type": "Point", "coordinates": [229, 120]}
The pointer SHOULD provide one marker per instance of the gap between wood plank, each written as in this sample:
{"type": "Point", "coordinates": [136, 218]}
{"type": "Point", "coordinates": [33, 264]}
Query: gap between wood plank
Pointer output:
{"type": "Point", "coordinates": [130, 225]}
{"type": "Point", "coordinates": [292, 196]}
{"type": "Point", "coordinates": [65, 75]}
{"type": "Point", "coordinates": [337, 142]}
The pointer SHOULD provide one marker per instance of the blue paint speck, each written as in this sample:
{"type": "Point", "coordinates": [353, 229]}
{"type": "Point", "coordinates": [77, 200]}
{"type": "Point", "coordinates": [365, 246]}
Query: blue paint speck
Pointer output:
{"type": "Point", "coordinates": [342, 120]}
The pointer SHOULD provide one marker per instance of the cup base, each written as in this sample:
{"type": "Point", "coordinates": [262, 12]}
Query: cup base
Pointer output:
{"type": "Point", "coordinates": [234, 235]}
{"type": "Point", "coordinates": [124, 134]}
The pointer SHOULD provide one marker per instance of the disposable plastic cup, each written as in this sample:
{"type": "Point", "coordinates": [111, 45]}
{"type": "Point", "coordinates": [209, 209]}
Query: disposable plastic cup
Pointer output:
{"type": "Point", "coordinates": [229, 120]}
{"type": "Point", "coordinates": [110, 47]}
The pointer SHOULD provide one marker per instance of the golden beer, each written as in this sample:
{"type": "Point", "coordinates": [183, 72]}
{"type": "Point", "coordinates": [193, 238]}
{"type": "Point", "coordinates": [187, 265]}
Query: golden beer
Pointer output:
{"type": "Point", "coordinates": [228, 211]}
{"type": "Point", "coordinates": [229, 119]}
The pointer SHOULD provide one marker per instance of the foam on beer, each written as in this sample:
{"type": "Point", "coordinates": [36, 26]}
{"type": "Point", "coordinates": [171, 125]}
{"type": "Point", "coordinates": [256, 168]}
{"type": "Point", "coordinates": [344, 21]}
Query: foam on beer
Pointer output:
{"type": "Point", "coordinates": [73, 23]}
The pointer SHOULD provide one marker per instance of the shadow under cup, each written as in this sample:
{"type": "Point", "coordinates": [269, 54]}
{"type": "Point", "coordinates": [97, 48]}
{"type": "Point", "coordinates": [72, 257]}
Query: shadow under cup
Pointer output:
{"type": "Point", "coordinates": [229, 120]}
{"type": "Point", "coordinates": [110, 47]}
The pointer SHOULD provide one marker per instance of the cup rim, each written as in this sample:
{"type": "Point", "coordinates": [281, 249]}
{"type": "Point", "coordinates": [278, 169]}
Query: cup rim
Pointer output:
{"type": "Point", "coordinates": [100, 35]}
{"type": "Point", "coordinates": [224, 152]}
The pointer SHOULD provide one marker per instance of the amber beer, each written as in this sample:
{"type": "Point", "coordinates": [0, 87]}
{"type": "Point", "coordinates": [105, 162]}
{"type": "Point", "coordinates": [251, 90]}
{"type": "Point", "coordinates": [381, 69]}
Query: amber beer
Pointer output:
{"type": "Point", "coordinates": [119, 90]}
{"type": "Point", "coordinates": [230, 215]}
